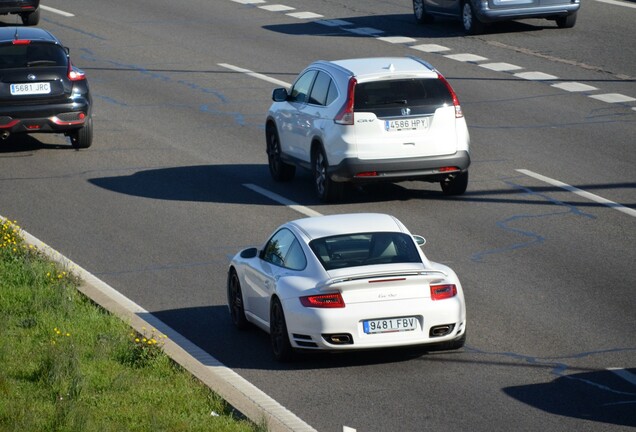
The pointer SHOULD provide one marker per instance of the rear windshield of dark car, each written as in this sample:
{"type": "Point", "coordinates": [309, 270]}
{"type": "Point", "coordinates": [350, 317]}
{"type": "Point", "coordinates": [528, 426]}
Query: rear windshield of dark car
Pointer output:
{"type": "Point", "coordinates": [386, 98]}
{"type": "Point", "coordinates": [31, 55]}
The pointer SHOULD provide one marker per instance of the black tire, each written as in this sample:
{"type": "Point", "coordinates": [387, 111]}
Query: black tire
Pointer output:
{"type": "Point", "coordinates": [279, 338]}
{"type": "Point", "coordinates": [326, 189]}
{"type": "Point", "coordinates": [31, 18]}
{"type": "Point", "coordinates": [83, 137]}
{"type": "Point", "coordinates": [566, 21]}
{"type": "Point", "coordinates": [471, 23]}
{"type": "Point", "coordinates": [235, 301]}
{"type": "Point", "coordinates": [279, 170]}
{"type": "Point", "coordinates": [456, 185]}
{"type": "Point", "coordinates": [421, 16]}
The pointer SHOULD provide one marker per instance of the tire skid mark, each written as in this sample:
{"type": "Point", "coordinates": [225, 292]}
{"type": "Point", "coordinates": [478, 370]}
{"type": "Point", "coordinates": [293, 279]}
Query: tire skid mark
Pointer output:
{"type": "Point", "coordinates": [533, 238]}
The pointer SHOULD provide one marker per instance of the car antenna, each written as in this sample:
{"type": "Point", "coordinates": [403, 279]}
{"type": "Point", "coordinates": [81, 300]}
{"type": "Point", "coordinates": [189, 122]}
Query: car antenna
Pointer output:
{"type": "Point", "coordinates": [16, 33]}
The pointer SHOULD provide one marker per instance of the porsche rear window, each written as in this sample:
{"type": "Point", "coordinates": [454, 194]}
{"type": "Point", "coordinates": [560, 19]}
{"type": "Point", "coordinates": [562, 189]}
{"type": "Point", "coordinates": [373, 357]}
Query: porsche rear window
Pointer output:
{"type": "Point", "coordinates": [354, 250]}
{"type": "Point", "coordinates": [31, 55]}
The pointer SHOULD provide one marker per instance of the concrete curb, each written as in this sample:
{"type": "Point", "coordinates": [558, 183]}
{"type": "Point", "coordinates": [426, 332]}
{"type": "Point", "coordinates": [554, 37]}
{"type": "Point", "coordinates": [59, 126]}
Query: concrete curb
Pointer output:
{"type": "Point", "coordinates": [238, 392]}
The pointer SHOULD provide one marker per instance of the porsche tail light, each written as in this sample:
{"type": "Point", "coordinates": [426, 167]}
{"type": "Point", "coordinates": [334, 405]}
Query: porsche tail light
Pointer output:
{"type": "Point", "coordinates": [323, 301]}
{"type": "Point", "coordinates": [345, 116]}
{"type": "Point", "coordinates": [458, 109]}
{"type": "Point", "coordinates": [440, 292]}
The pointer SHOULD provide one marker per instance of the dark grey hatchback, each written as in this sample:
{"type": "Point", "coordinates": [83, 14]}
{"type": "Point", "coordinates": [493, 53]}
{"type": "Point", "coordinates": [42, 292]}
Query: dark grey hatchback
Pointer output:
{"type": "Point", "coordinates": [40, 89]}
{"type": "Point", "coordinates": [29, 10]}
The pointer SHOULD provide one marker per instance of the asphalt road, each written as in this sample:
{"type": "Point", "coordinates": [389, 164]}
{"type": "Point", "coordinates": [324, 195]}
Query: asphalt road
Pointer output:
{"type": "Point", "coordinates": [159, 203]}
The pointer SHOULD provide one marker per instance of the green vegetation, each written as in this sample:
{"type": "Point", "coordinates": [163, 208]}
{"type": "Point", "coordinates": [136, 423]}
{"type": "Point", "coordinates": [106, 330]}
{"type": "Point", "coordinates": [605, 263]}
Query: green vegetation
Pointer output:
{"type": "Point", "coordinates": [68, 365]}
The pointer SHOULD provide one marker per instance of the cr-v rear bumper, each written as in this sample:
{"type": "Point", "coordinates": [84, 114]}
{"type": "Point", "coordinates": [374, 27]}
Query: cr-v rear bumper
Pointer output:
{"type": "Point", "coordinates": [433, 168]}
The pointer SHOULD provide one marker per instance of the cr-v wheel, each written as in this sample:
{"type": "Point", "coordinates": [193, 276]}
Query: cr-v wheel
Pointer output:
{"type": "Point", "coordinates": [326, 189]}
{"type": "Point", "coordinates": [279, 170]}
{"type": "Point", "coordinates": [420, 13]}
{"type": "Point", "coordinates": [456, 185]}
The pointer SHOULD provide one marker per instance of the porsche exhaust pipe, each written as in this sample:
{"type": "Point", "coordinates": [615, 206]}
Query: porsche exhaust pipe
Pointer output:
{"type": "Point", "coordinates": [5, 135]}
{"type": "Point", "coordinates": [339, 339]}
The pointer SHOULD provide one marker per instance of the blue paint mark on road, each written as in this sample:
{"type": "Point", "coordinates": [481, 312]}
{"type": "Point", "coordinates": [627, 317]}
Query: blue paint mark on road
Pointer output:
{"type": "Point", "coordinates": [532, 237]}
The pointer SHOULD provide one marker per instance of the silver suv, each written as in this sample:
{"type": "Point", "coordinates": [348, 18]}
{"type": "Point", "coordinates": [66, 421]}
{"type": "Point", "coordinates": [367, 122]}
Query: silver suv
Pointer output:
{"type": "Point", "coordinates": [367, 120]}
{"type": "Point", "coordinates": [477, 14]}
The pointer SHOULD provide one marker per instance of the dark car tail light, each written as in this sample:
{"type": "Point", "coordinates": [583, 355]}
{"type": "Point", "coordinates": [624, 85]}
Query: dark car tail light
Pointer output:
{"type": "Point", "coordinates": [21, 42]}
{"type": "Point", "coordinates": [345, 116]}
{"type": "Point", "coordinates": [458, 109]}
{"type": "Point", "coordinates": [74, 74]}
{"type": "Point", "coordinates": [323, 301]}
{"type": "Point", "coordinates": [440, 292]}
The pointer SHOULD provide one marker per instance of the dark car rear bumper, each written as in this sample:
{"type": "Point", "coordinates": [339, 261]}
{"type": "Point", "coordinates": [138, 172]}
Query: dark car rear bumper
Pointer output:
{"type": "Point", "coordinates": [14, 7]}
{"type": "Point", "coordinates": [47, 118]}
{"type": "Point", "coordinates": [424, 168]}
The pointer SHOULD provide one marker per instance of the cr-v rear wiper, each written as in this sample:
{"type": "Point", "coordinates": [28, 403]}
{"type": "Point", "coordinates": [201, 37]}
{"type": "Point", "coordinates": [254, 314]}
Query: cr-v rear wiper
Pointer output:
{"type": "Point", "coordinates": [390, 102]}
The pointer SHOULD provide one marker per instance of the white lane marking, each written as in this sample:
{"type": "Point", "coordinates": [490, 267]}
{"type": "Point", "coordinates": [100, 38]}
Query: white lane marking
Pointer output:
{"type": "Point", "coordinates": [255, 74]}
{"type": "Point", "coordinates": [282, 200]}
{"type": "Point", "coordinates": [334, 22]}
{"type": "Point", "coordinates": [239, 392]}
{"type": "Point", "coordinates": [466, 57]}
{"type": "Point", "coordinates": [580, 192]}
{"type": "Point", "coordinates": [304, 15]}
{"type": "Point", "coordinates": [348, 429]}
{"type": "Point", "coordinates": [249, 1]}
{"type": "Point", "coordinates": [535, 76]}
{"type": "Point", "coordinates": [574, 87]}
{"type": "Point", "coordinates": [627, 376]}
{"type": "Point", "coordinates": [500, 67]}
{"type": "Point", "coordinates": [618, 3]}
{"type": "Point", "coordinates": [396, 39]}
{"type": "Point", "coordinates": [277, 8]}
{"type": "Point", "coordinates": [430, 48]}
{"type": "Point", "coordinates": [57, 11]}
{"type": "Point", "coordinates": [613, 98]}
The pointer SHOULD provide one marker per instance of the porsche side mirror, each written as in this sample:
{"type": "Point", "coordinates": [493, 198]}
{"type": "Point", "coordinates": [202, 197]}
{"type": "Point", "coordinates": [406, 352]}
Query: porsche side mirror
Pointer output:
{"type": "Point", "coordinates": [421, 241]}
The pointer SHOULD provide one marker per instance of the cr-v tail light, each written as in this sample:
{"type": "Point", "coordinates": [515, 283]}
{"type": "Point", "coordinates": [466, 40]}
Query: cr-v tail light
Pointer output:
{"type": "Point", "coordinates": [458, 108]}
{"type": "Point", "coordinates": [345, 115]}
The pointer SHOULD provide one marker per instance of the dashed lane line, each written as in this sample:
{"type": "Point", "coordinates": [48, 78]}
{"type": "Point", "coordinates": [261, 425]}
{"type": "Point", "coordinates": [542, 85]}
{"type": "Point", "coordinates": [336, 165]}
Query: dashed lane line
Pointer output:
{"type": "Point", "coordinates": [626, 375]}
{"type": "Point", "coordinates": [571, 87]}
{"type": "Point", "coordinates": [588, 195]}
{"type": "Point", "coordinates": [282, 200]}
{"type": "Point", "coordinates": [56, 11]}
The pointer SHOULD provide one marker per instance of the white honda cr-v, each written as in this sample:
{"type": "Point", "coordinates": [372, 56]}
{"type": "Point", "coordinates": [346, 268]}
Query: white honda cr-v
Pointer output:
{"type": "Point", "coordinates": [366, 120]}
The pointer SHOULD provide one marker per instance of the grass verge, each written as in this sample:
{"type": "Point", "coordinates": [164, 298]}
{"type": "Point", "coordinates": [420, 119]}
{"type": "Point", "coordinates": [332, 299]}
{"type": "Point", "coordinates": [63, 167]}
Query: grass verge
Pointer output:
{"type": "Point", "coordinates": [68, 365]}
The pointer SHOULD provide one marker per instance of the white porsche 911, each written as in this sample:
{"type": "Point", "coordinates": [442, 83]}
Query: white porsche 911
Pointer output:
{"type": "Point", "coordinates": [346, 282]}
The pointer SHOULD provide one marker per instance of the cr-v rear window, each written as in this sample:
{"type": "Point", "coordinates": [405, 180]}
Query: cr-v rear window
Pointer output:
{"type": "Point", "coordinates": [387, 98]}
{"type": "Point", "coordinates": [31, 55]}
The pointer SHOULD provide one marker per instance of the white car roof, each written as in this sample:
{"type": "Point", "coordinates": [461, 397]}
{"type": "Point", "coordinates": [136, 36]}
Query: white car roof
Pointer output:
{"type": "Point", "coordinates": [388, 67]}
{"type": "Point", "coordinates": [324, 226]}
